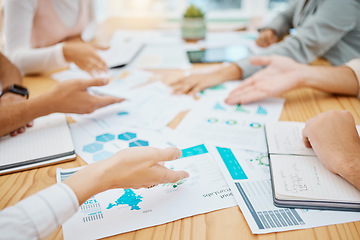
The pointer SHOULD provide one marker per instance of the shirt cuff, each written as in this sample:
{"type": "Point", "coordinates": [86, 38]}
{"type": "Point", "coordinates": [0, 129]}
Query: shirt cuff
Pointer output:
{"type": "Point", "coordinates": [59, 56]}
{"type": "Point", "coordinates": [246, 68]}
{"type": "Point", "coordinates": [355, 66]}
{"type": "Point", "coordinates": [50, 208]}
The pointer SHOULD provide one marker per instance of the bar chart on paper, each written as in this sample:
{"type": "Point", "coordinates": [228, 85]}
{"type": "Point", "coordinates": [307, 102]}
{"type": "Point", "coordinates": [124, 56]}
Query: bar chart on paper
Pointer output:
{"type": "Point", "coordinates": [258, 198]}
{"type": "Point", "coordinates": [248, 176]}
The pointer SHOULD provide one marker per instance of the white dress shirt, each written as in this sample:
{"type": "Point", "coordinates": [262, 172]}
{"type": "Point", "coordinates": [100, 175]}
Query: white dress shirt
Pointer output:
{"type": "Point", "coordinates": [39, 215]}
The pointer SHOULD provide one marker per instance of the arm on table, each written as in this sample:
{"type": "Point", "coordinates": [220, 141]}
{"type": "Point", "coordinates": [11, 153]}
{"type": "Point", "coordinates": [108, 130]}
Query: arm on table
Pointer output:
{"type": "Point", "coordinates": [66, 97]}
{"type": "Point", "coordinates": [39, 215]}
{"type": "Point", "coordinates": [283, 74]}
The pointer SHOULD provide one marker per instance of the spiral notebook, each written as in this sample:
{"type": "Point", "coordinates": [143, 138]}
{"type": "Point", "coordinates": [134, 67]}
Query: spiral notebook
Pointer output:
{"type": "Point", "coordinates": [47, 142]}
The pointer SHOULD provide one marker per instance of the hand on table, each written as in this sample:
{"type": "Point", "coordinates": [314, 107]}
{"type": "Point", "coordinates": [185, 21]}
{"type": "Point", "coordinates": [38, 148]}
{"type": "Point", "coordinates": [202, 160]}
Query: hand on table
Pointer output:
{"type": "Point", "coordinates": [12, 98]}
{"type": "Point", "coordinates": [136, 167]}
{"type": "Point", "coordinates": [84, 55]}
{"type": "Point", "coordinates": [195, 83]}
{"type": "Point", "coordinates": [281, 75]}
{"type": "Point", "coordinates": [72, 96]}
{"type": "Point", "coordinates": [266, 38]}
{"type": "Point", "coordinates": [336, 142]}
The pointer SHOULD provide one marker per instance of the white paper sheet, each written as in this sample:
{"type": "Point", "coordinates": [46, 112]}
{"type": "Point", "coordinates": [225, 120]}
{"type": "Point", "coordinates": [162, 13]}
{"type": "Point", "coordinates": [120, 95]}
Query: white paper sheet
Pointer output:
{"type": "Point", "coordinates": [162, 56]}
{"type": "Point", "coordinates": [76, 73]}
{"type": "Point", "coordinates": [120, 52]}
{"type": "Point", "coordinates": [123, 86]}
{"type": "Point", "coordinates": [118, 211]}
{"type": "Point", "coordinates": [152, 107]}
{"type": "Point", "coordinates": [241, 126]}
{"type": "Point", "coordinates": [247, 174]}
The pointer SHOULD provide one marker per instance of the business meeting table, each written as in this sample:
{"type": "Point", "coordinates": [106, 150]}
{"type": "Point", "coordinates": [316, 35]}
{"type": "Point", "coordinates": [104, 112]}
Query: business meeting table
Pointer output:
{"type": "Point", "coordinates": [226, 224]}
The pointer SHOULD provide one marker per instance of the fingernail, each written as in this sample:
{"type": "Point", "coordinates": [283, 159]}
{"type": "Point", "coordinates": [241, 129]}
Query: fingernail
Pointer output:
{"type": "Point", "coordinates": [105, 80]}
{"type": "Point", "coordinates": [179, 153]}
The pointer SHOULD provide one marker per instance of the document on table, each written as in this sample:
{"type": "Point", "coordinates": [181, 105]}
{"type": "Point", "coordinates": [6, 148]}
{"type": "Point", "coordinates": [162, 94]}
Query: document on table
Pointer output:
{"type": "Point", "coordinates": [241, 126]}
{"type": "Point", "coordinates": [124, 210]}
{"type": "Point", "coordinates": [162, 56]}
{"type": "Point", "coordinates": [96, 144]}
{"type": "Point", "coordinates": [123, 86]}
{"type": "Point", "coordinates": [151, 107]}
{"type": "Point", "coordinates": [120, 53]}
{"type": "Point", "coordinates": [248, 176]}
{"type": "Point", "coordinates": [76, 73]}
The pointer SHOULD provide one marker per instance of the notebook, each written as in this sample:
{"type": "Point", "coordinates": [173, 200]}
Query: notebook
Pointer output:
{"type": "Point", "coordinates": [47, 142]}
{"type": "Point", "coordinates": [299, 179]}
{"type": "Point", "coordinates": [120, 53]}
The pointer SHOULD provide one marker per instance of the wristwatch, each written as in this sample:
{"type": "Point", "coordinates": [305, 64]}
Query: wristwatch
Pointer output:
{"type": "Point", "coordinates": [17, 89]}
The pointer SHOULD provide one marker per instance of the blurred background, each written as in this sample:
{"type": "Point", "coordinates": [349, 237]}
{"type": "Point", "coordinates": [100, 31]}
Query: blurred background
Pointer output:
{"type": "Point", "coordinates": [220, 9]}
{"type": "Point", "coordinates": [220, 14]}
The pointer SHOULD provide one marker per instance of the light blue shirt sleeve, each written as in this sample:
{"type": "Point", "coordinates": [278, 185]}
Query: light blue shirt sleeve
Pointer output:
{"type": "Point", "coordinates": [324, 33]}
{"type": "Point", "coordinates": [282, 23]}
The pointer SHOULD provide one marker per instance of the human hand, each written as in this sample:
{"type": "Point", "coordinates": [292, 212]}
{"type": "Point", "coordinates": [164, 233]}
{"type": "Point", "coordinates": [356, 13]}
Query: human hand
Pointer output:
{"type": "Point", "coordinates": [136, 167]}
{"type": "Point", "coordinates": [197, 82]}
{"type": "Point", "coordinates": [84, 56]}
{"type": "Point", "coordinates": [336, 142]}
{"type": "Point", "coordinates": [12, 98]}
{"type": "Point", "coordinates": [281, 75]}
{"type": "Point", "coordinates": [72, 96]}
{"type": "Point", "coordinates": [266, 38]}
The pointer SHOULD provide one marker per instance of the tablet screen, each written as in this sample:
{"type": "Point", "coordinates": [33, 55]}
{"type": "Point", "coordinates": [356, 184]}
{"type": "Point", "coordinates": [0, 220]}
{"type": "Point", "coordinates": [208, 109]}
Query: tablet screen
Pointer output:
{"type": "Point", "coordinates": [214, 55]}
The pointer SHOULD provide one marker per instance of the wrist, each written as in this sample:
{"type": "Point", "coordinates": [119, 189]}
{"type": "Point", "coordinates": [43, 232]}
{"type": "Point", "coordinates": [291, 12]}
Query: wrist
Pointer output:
{"type": "Point", "coordinates": [350, 166]}
{"type": "Point", "coordinates": [305, 75]}
{"type": "Point", "coordinates": [42, 105]}
{"type": "Point", "coordinates": [229, 72]}
{"type": "Point", "coordinates": [67, 51]}
{"type": "Point", "coordinates": [88, 182]}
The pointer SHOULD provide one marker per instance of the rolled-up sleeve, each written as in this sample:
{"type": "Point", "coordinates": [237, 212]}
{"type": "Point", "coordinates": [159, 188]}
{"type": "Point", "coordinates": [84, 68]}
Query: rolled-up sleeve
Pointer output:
{"type": "Point", "coordinates": [39, 215]}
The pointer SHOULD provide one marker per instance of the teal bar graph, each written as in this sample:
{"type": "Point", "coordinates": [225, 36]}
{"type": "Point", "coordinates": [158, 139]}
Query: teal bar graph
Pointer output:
{"type": "Point", "coordinates": [231, 163]}
{"type": "Point", "coordinates": [193, 151]}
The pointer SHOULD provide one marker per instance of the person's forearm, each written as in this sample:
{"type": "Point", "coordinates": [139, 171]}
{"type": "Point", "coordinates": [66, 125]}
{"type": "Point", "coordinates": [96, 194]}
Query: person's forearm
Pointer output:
{"type": "Point", "coordinates": [19, 114]}
{"type": "Point", "coordinates": [229, 72]}
{"type": "Point", "coordinates": [85, 187]}
{"type": "Point", "coordinates": [338, 80]}
{"type": "Point", "coordinates": [9, 74]}
{"type": "Point", "coordinates": [351, 166]}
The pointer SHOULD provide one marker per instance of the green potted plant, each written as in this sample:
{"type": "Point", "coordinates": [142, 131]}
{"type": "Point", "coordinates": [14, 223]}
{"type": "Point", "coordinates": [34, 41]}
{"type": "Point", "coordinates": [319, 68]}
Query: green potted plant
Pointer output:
{"type": "Point", "coordinates": [193, 26]}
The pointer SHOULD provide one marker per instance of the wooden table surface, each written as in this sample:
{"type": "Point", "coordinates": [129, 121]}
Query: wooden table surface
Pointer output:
{"type": "Point", "coordinates": [227, 224]}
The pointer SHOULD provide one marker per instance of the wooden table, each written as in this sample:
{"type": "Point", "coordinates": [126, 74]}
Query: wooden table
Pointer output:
{"type": "Point", "coordinates": [227, 224]}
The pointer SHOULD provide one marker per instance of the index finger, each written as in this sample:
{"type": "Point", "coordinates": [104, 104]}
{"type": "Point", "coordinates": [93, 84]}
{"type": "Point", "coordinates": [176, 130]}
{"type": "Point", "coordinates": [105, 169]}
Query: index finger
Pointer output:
{"type": "Point", "coordinates": [104, 101]}
{"type": "Point", "coordinates": [171, 176]}
{"type": "Point", "coordinates": [167, 154]}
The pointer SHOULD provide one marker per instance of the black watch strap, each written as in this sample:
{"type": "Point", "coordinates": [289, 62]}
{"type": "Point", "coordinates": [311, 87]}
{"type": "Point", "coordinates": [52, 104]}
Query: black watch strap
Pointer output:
{"type": "Point", "coordinates": [17, 89]}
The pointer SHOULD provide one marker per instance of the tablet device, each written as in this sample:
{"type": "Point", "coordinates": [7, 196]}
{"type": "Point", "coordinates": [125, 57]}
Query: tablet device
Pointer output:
{"type": "Point", "coordinates": [216, 55]}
